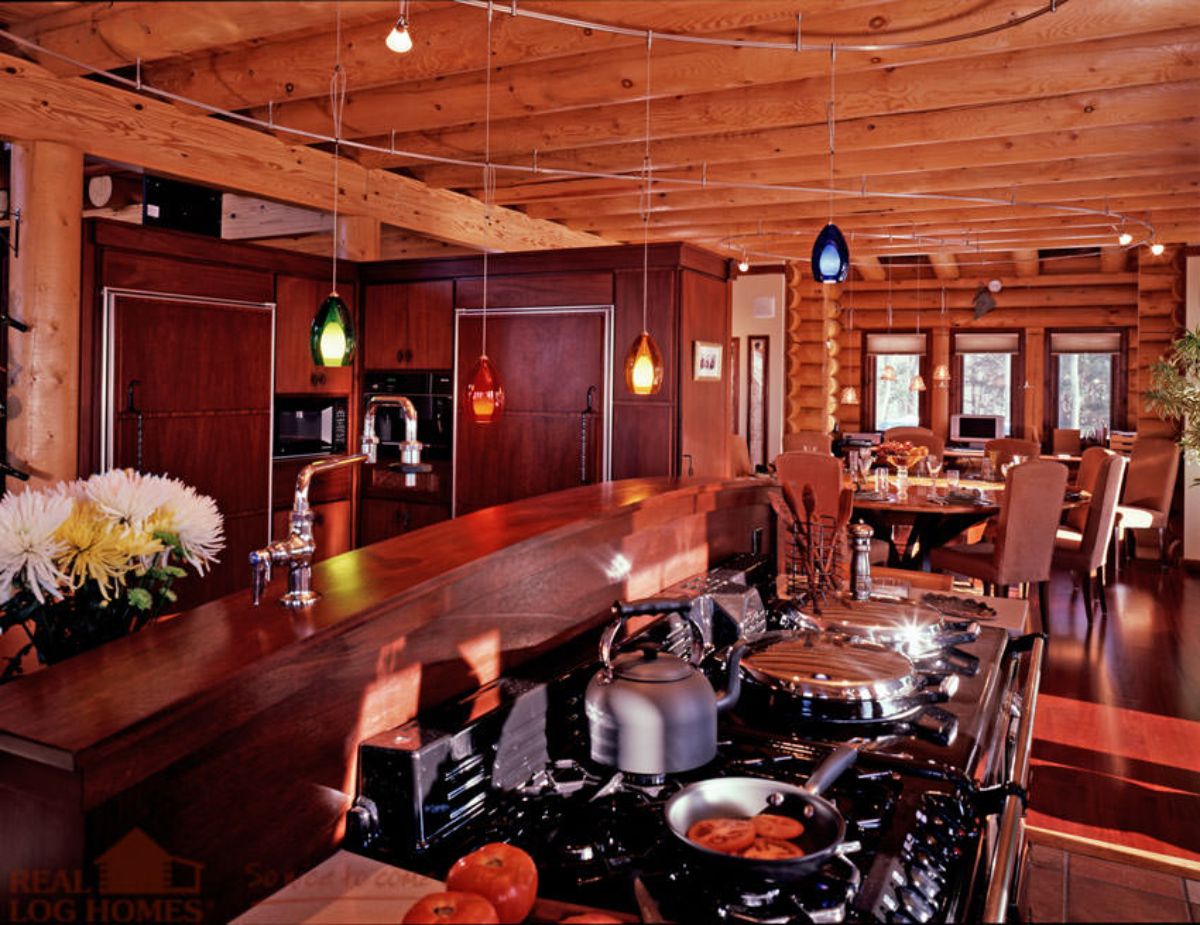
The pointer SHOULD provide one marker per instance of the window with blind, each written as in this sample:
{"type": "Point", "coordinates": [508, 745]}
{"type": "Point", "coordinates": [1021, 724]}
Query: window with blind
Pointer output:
{"type": "Point", "coordinates": [1088, 380]}
{"type": "Point", "coordinates": [989, 374]}
{"type": "Point", "coordinates": [893, 361]}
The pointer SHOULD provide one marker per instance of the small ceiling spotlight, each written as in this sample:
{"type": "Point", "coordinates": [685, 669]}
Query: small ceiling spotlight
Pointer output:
{"type": "Point", "coordinates": [1157, 248]}
{"type": "Point", "coordinates": [1124, 238]}
{"type": "Point", "coordinates": [744, 265]}
{"type": "Point", "coordinates": [399, 40]}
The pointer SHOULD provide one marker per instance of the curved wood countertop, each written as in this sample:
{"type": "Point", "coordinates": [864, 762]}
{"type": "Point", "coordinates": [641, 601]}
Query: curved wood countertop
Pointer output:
{"type": "Point", "coordinates": [176, 728]}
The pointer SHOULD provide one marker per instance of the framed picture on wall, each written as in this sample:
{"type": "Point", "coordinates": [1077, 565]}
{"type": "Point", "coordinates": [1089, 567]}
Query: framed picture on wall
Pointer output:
{"type": "Point", "coordinates": [707, 361]}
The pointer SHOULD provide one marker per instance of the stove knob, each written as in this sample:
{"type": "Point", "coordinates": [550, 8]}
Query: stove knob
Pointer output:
{"type": "Point", "coordinates": [925, 880]}
{"type": "Point", "coordinates": [914, 904]}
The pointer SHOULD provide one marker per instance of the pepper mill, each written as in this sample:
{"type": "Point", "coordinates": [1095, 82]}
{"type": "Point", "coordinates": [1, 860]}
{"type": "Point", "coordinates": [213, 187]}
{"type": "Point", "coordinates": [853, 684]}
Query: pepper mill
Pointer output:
{"type": "Point", "coordinates": [860, 563]}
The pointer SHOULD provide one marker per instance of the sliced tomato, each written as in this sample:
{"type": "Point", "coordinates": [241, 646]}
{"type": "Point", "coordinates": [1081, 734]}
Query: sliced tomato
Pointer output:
{"type": "Point", "coordinates": [772, 849]}
{"type": "Point", "coordinates": [772, 826]}
{"type": "Point", "coordinates": [728, 836]}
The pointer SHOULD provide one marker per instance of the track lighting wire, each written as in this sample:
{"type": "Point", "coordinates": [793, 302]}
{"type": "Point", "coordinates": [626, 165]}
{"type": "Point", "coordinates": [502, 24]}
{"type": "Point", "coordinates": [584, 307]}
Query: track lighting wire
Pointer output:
{"type": "Point", "coordinates": [679, 183]}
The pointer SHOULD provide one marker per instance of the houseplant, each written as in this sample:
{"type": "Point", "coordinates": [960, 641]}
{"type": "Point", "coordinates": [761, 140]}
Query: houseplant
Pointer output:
{"type": "Point", "coordinates": [89, 561]}
{"type": "Point", "coordinates": [1174, 391]}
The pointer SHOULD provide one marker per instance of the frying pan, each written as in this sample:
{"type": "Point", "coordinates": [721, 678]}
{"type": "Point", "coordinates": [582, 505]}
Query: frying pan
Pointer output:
{"type": "Point", "coordinates": [824, 826]}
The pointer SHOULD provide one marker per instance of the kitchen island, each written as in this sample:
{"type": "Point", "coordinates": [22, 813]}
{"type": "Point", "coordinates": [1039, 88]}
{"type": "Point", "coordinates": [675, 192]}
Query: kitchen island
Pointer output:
{"type": "Point", "coordinates": [226, 738]}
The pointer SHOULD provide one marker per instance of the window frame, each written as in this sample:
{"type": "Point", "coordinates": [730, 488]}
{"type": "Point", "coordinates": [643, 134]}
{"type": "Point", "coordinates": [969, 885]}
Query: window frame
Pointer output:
{"type": "Point", "coordinates": [1120, 377]}
{"type": "Point", "coordinates": [867, 380]}
{"type": "Point", "coordinates": [1016, 412]}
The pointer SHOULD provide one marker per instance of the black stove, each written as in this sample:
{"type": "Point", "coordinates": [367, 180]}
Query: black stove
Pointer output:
{"type": "Point", "coordinates": [510, 763]}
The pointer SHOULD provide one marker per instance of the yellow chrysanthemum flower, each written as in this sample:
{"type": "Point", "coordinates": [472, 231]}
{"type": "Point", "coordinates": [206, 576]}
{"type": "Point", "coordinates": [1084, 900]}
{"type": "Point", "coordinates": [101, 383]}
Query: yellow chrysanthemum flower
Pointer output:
{"type": "Point", "coordinates": [98, 549]}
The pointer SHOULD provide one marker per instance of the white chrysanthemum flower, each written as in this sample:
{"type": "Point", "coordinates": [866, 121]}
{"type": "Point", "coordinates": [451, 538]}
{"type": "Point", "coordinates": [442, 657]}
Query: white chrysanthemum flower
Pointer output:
{"type": "Point", "coordinates": [195, 520]}
{"type": "Point", "coordinates": [28, 547]}
{"type": "Point", "coordinates": [128, 497]}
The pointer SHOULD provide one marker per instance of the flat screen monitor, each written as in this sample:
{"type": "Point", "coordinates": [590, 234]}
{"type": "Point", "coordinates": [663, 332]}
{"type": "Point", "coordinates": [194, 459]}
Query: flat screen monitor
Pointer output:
{"type": "Point", "coordinates": [976, 428]}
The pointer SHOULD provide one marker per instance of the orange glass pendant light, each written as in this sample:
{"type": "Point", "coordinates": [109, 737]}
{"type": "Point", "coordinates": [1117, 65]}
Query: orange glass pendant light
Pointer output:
{"type": "Point", "coordinates": [643, 366]}
{"type": "Point", "coordinates": [485, 394]}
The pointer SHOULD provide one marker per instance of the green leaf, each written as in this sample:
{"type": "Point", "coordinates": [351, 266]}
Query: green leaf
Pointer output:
{"type": "Point", "coordinates": [140, 598]}
{"type": "Point", "coordinates": [170, 595]}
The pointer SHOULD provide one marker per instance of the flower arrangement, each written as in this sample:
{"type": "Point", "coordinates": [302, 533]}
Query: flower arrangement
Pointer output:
{"type": "Point", "coordinates": [89, 561]}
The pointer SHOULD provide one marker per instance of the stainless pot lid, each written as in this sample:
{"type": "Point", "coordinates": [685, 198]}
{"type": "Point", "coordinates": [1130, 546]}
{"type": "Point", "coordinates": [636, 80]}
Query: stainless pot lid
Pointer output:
{"type": "Point", "coordinates": [649, 664]}
{"type": "Point", "coordinates": [816, 665]}
{"type": "Point", "coordinates": [910, 624]}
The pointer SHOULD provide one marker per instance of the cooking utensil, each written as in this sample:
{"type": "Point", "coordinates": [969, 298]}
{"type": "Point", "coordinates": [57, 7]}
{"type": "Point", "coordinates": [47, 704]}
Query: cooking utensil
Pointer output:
{"type": "Point", "coordinates": [913, 627]}
{"type": "Point", "coordinates": [650, 712]}
{"type": "Point", "coordinates": [741, 797]}
{"type": "Point", "coordinates": [648, 906]}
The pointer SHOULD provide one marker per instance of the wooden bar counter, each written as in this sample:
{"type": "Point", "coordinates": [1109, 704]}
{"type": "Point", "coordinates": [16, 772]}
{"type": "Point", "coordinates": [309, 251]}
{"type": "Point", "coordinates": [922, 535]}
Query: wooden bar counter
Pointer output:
{"type": "Point", "coordinates": [228, 734]}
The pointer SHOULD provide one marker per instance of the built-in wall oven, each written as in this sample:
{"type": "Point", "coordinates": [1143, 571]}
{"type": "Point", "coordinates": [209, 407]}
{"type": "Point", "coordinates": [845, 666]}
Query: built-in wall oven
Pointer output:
{"type": "Point", "coordinates": [312, 425]}
{"type": "Point", "coordinates": [432, 395]}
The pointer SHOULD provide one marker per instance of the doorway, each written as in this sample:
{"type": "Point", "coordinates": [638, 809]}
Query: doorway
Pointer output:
{"type": "Point", "coordinates": [550, 360]}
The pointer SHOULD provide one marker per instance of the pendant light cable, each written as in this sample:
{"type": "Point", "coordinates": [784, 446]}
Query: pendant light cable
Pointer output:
{"type": "Point", "coordinates": [337, 105]}
{"type": "Point", "coordinates": [489, 175]}
{"type": "Point", "coordinates": [647, 170]}
{"type": "Point", "coordinates": [830, 118]}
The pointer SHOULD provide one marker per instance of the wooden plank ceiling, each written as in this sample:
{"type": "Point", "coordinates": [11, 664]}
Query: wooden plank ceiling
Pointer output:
{"type": "Point", "coordinates": [1092, 105]}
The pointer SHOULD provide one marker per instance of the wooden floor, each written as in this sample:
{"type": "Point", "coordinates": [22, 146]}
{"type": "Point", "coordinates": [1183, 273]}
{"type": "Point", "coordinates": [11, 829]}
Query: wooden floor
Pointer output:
{"type": "Point", "coordinates": [1117, 739]}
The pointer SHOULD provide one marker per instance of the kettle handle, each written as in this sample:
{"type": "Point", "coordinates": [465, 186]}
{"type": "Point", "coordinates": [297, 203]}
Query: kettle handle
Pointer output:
{"type": "Point", "coordinates": [622, 611]}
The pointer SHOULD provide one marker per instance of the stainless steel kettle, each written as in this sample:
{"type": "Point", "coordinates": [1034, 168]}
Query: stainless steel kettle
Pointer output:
{"type": "Point", "coordinates": [650, 712]}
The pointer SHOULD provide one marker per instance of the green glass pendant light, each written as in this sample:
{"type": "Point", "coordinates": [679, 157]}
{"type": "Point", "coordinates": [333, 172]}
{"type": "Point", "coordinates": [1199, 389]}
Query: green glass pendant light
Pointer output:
{"type": "Point", "coordinates": [332, 339]}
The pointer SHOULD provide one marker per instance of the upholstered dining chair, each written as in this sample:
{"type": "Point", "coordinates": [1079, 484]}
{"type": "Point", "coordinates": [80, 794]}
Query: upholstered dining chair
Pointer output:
{"type": "Point", "coordinates": [1066, 440]}
{"type": "Point", "coordinates": [807, 441]}
{"type": "Point", "coordinates": [1024, 538]}
{"type": "Point", "coordinates": [1090, 464]}
{"type": "Point", "coordinates": [824, 473]}
{"type": "Point", "coordinates": [1149, 486]}
{"type": "Point", "coordinates": [918, 436]}
{"type": "Point", "coordinates": [1085, 552]}
{"type": "Point", "coordinates": [1006, 448]}
{"type": "Point", "coordinates": [739, 457]}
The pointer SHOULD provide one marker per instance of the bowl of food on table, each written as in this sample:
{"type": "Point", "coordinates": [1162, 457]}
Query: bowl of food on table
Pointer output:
{"type": "Point", "coordinates": [897, 454]}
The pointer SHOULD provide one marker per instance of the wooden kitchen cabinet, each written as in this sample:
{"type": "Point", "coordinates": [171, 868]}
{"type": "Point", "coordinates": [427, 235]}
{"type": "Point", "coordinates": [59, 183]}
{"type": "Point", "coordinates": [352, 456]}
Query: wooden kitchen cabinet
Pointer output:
{"type": "Point", "coordinates": [332, 530]}
{"type": "Point", "coordinates": [409, 325]}
{"type": "Point", "coordinates": [296, 301]}
{"type": "Point", "coordinates": [382, 518]}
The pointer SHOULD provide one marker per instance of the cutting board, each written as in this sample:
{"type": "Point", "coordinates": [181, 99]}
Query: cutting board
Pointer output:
{"type": "Point", "coordinates": [348, 888]}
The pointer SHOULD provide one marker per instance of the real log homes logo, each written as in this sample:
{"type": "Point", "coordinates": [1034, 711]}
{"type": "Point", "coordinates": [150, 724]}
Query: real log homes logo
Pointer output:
{"type": "Point", "coordinates": [138, 881]}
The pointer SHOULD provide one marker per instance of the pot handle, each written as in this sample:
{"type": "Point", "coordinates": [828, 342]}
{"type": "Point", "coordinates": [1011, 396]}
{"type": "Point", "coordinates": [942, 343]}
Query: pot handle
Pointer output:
{"type": "Point", "coordinates": [622, 611]}
{"type": "Point", "coordinates": [829, 770]}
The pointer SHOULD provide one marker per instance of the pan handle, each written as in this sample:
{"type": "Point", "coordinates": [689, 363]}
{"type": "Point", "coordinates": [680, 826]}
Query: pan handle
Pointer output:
{"type": "Point", "coordinates": [829, 770]}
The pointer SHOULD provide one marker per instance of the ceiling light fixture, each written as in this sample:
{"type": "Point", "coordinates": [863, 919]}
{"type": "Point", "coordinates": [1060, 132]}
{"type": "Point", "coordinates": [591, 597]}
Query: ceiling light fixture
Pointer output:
{"type": "Point", "coordinates": [941, 376]}
{"type": "Point", "coordinates": [744, 263]}
{"type": "Point", "coordinates": [830, 255]}
{"type": "Point", "coordinates": [1124, 238]}
{"type": "Point", "coordinates": [643, 362]}
{"type": "Point", "coordinates": [917, 384]}
{"type": "Point", "coordinates": [1157, 248]}
{"type": "Point", "coordinates": [331, 339]}
{"type": "Point", "coordinates": [849, 395]}
{"type": "Point", "coordinates": [484, 391]}
{"type": "Point", "coordinates": [399, 40]}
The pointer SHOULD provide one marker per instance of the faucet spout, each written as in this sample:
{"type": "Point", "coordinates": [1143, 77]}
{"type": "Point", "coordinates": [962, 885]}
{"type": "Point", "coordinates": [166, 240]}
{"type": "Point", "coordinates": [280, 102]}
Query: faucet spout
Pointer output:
{"type": "Point", "coordinates": [370, 441]}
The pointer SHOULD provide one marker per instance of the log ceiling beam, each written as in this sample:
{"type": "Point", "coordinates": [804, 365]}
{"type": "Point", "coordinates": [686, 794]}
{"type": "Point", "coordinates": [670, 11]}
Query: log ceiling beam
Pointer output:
{"type": "Point", "coordinates": [246, 218]}
{"type": "Point", "coordinates": [945, 267]}
{"type": "Point", "coordinates": [1113, 259]}
{"type": "Point", "coordinates": [1026, 262]}
{"type": "Point", "coordinates": [133, 129]}
{"type": "Point", "coordinates": [869, 267]}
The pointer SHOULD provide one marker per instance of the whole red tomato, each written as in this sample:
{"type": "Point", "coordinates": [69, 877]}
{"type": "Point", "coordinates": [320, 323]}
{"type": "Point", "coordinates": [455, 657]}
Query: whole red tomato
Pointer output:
{"type": "Point", "coordinates": [504, 875]}
{"type": "Point", "coordinates": [590, 918]}
{"type": "Point", "coordinates": [451, 909]}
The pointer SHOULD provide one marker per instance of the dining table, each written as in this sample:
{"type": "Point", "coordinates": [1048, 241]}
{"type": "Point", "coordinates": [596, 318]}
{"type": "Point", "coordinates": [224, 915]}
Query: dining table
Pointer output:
{"type": "Point", "coordinates": [933, 515]}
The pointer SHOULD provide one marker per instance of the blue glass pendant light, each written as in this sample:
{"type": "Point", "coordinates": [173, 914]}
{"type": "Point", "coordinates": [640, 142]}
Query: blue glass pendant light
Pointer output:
{"type": "Point", "coordinates": [830, 256]}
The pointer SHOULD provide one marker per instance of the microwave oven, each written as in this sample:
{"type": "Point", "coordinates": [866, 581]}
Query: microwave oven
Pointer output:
{"type": "Point", "coordinates": [310, 426]}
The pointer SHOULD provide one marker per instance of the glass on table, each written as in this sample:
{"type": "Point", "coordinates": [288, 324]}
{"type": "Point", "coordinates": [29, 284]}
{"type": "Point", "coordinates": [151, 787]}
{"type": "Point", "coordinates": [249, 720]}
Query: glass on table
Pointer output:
{"type": "Point", "coordinates": [952, 476]}
{"type": "Point", "coordinates": [933, 465]}
{"type": "Point", "coordinates": [881, 481]}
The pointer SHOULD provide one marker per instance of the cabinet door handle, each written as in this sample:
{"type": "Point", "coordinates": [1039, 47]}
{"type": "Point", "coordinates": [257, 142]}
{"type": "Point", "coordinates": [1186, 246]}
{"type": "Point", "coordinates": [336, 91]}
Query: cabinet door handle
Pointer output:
{"type": "Point", "coordinates": [399, 356]}
{"type": "Point", "coordinates": [317, 379]}
{"type": "Point", "coordinates": [319, 520]}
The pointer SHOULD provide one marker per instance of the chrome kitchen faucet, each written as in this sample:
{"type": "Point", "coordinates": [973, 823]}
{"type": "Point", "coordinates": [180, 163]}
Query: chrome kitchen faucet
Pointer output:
{"type": "Point", "coordinates": [297, 549]}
